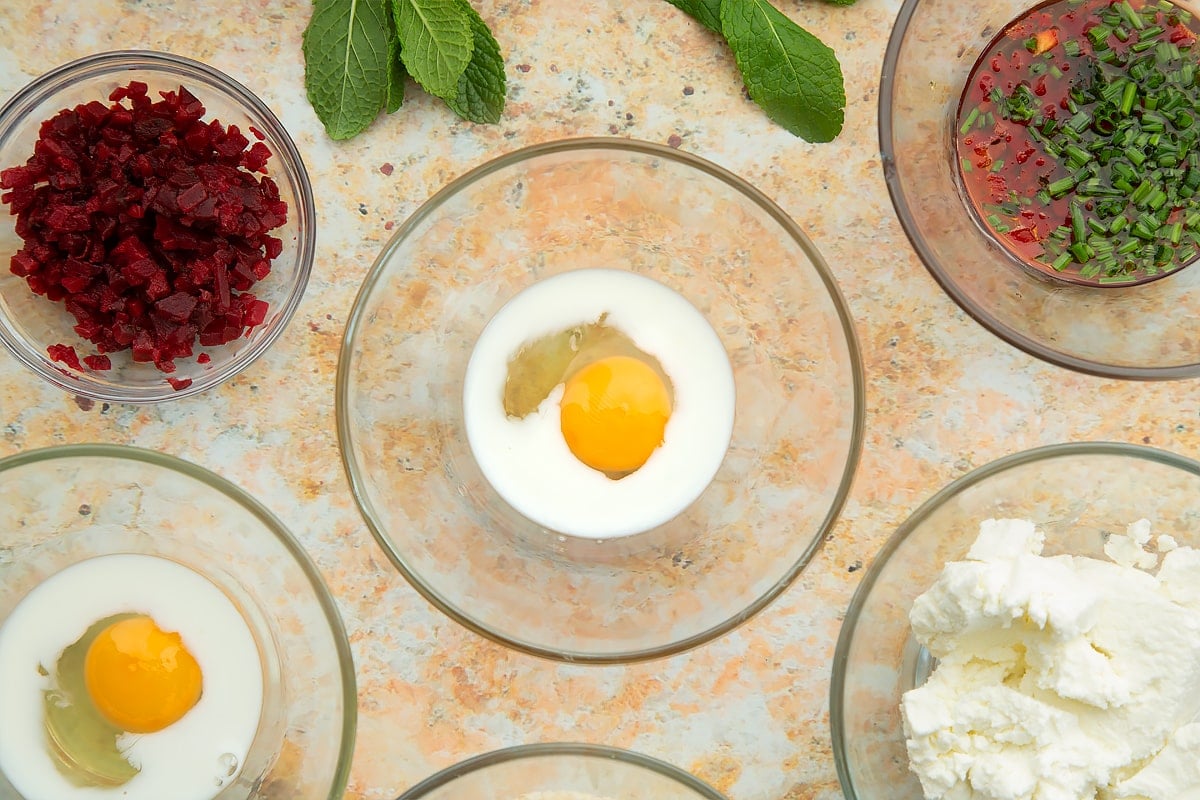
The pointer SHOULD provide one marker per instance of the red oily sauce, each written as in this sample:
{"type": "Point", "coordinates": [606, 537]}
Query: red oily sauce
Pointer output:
{"type": "Point", "coordinates": [1077, 140]}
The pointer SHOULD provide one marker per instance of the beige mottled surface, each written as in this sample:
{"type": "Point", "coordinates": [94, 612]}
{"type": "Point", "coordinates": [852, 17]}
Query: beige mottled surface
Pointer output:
{"type": "Point", "coordinates": [749, 712]}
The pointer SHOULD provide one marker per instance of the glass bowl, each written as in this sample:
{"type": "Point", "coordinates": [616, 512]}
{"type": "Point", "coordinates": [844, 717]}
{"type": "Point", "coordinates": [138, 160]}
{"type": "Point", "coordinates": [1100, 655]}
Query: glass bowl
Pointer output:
{"type": "Point", "coordinates": [562, 772]}
{"type": "Point", "coordinates": [1077, 493]}
{"type": "Point", "coordinates": [694, 228]}
{"type": "Point", "coordinates": [66, 504]}
{"type": "Point", "coordinates": [30, 323]}
{"type": "Point", "coordinates": [1139, 332]}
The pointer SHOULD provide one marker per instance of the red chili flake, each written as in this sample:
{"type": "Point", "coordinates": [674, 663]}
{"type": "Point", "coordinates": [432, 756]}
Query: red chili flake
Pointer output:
{"type": "Point", "coordinates": [1180, 35]}
{"type": "Point", "coordinates": [147, 223]}
{"type": "Point", "coordinates": [998, 186]}
{"type": "Point", "coordinates": [1025, 235]}
{"type": "Point", "coordinates": [1045, 40]}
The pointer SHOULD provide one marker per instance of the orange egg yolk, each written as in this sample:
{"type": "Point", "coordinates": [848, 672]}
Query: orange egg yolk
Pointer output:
{"type": "Point", "coordinates": [139, 677]}
{"type": "Point", "coordinates": [613, 413]}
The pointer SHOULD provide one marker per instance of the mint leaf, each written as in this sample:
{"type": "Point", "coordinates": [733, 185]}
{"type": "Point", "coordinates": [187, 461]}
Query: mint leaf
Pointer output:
{"type": "Point", "coordinates": [435, 42]}
{"type": "Point", "coordinates": [395, 85]}
{"type": "Point", "coordinates": [346, 63]}
{"type": "Point", "coordinates": [396, 72]}
{"type": "Point", "coordinates": [708, 12]}
{"type": "Point", "coordinates": [480, 95]}
{"type": "Point", "coordinates": [789, 72]}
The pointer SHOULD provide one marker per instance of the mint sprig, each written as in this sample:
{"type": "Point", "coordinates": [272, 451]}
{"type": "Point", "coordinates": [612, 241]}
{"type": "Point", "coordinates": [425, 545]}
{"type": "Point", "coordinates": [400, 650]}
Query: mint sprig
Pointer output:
{"type": "Point", "coordinates": [789, 72]}
{"type": "Point", "coordinates": [358, 55]}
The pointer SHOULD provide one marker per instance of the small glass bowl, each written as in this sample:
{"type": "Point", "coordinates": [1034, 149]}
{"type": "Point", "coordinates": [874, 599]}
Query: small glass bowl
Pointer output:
{"type": "Point", "coordinates": [562, 772]}
{"type": "Point", "coordinates": [66, 504]}
{"type": "Point", "coordinates": [1077, 493]}
{"type": "Point", "coordinates": [695, 228]}
{"type": "Point", "coordinates": [1147, 332]}
{"type": "Point", "coordinates": [29, 323]}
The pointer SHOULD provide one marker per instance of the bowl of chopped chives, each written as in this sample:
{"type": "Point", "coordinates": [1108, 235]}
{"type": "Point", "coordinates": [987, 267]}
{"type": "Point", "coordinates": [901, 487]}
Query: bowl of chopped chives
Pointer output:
{"type": "Point", "coordinates": [1046, 168]}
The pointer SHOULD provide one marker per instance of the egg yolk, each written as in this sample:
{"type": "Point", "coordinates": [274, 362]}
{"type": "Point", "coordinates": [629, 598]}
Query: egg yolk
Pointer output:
{"type": "Point", "coordinates": [139, 677]}
{"type": "Point", "coordinates": [613, 413]}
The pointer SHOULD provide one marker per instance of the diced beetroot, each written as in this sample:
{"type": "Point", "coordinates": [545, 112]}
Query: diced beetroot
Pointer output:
{"type": "Point", "coordinates": [203, 358]}
{"type": "Point", "coordinates": [23, 264]}
{"type": "Point", "coordinates": [179, 383]}
{"type": "Point", "coordinates": [177, 307]}
{"type": "Point", "coordinates": [256, 313]}
{"type": "Point", "coordinates": [148, 223]}
{"type": "Point", "coordinates": [255, 159]}
{"type": "Point", "coordinates": [143, 346]}
{"type": "Point", "coordinates": [191, 197]}
{"type": "Point", "coordinates": [64, 354]}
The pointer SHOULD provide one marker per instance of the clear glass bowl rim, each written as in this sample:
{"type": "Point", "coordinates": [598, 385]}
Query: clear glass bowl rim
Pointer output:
{"type": "Point", "coordinates": [543, 749]}
{"type": "Point", "coordinates": [958, 486]}
{"type": "Point", "coordinates": [754, 195]}
{"type": "Point", "coordinates": [15, 110]}
{"type": "Point", "coordinates": [1008, 334]}
{"type": "Point", "coordinates": [341, 776]}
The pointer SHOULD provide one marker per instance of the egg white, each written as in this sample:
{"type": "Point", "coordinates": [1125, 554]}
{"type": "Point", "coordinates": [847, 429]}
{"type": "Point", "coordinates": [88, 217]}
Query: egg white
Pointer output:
{"type": "Point", "coordinates": [527, 461]}
{"type": "Point", "coordinates": [180, 762]}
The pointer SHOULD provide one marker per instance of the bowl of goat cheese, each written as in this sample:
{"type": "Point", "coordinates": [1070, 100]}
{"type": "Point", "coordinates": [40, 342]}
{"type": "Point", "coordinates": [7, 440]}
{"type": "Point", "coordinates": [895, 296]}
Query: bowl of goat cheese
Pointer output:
{"type": "Point", "coordinates": [1031, 632]}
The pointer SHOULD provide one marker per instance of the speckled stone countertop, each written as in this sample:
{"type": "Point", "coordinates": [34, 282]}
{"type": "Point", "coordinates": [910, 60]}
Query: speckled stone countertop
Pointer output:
{"type": "Point", "coordinates": [748, 712]}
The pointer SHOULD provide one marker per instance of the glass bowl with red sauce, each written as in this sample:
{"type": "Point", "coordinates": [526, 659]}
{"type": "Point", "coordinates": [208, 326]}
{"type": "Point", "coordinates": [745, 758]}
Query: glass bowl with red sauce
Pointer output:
{"type": "Point", "coordinates": [1040, 160]}
{"type": "Point", "coordinates": [157, 227]}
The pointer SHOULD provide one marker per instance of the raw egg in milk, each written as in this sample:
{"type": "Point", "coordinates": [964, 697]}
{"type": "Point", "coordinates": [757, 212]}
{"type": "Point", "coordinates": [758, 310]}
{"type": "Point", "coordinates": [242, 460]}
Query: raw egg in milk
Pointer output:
{"type": "Point", "coordinates": [127, 676]}
{"type": "Point", "coordinates": [598, 403]}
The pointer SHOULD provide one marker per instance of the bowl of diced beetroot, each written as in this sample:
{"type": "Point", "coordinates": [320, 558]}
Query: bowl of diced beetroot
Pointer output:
{"type": "Point", "coordinates": [156, 226]}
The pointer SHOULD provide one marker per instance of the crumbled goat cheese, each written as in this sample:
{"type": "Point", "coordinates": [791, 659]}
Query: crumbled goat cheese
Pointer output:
{"type": "Point", "coordinates": [1058, 677]}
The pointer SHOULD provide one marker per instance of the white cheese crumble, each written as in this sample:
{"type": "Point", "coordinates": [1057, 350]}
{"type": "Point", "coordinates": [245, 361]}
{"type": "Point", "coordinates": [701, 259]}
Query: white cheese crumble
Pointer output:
{"type": "Point", "coordinates": [1059, 677]}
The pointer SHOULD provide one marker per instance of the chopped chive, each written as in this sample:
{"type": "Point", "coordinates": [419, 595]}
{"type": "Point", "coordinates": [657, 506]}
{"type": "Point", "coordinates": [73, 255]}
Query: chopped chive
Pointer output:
{"type": "Point", "coordinates": [1128, 94]}
{"type": "Point", "coordinates": [1059, 187]}
{"type": "Point", "coordinates": [966, 126]}
{"type": "Point", "coordinates": [1098, 34]}
{"type": "Point", "coordinates": [1129, 15]}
